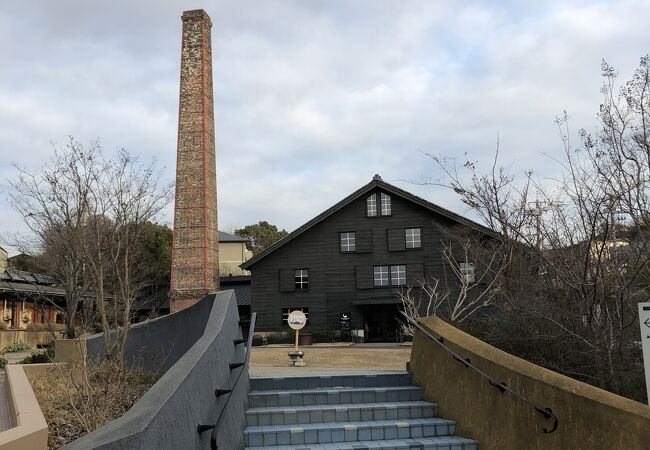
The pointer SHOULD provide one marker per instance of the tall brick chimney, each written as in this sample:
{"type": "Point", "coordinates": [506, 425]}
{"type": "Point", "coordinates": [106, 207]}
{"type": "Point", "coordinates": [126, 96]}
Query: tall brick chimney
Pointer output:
{"type": "Point", "coordinates": [195, 253]}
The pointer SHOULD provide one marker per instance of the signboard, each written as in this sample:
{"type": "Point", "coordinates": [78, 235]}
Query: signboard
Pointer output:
{"type": "Point", "coordinates": [644, 322]}
{"type": "Point", "coordinates": [297, 320]}
{"type": "Point", "coordinates": [344, 320]}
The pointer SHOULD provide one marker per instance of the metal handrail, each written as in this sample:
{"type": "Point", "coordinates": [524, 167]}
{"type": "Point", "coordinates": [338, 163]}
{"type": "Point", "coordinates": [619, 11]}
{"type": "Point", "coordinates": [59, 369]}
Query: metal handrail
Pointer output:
{"type": "Point", "coordinates": [544, 411]}
{"type": "Point", "coordinates": [219, 392]}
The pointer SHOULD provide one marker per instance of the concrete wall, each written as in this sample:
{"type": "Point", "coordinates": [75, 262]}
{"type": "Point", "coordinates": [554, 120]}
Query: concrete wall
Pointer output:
{"type": "Point", "coordinates": [589, 418]}
{"type": "Point", "coordinates": [30, 428]}
{"type": "Point", "coordinates": [167, 415]}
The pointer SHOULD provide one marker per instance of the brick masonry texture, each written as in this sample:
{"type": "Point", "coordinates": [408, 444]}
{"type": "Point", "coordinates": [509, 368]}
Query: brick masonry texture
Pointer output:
{"type": "Point", "coordinates": [195, 259]}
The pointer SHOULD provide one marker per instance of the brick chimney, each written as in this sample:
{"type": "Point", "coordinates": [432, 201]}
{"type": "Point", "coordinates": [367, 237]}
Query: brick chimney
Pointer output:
{"type": "Point", "coordinates": [195, 253]}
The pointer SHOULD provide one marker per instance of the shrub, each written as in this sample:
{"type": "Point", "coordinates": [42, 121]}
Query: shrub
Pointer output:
{"type": "Point", "coordinates": [280, 337]}
{"type": "Point", "coordinates": [17, 346]}
{"type": "Point", "coordinates": [3, 362]}
{"type": "Point", "coordinates": [81, 397]}
{"type": "Point", "coordinates": [39, 357]}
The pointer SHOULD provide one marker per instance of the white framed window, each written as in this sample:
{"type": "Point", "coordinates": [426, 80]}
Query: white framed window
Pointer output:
{"type": "Point", "coordinates": [286, 311]}
{"type": "Point", "coordinates": [467, 272]}
{"type": "Point", "coordinates": [398, 275]}
{"type": "Point", "coordinates": [381, 276]}
{"type": "Point", "coordinates": [385, 205]}
{"type": "Point", "coordinates": [371, 205]}
{"type": "Point", "coordinates": [301, 279]}
{"type": "Point", "coordinates": [413, 237]}
{"type": "Point", "coordinates": [348, 241]}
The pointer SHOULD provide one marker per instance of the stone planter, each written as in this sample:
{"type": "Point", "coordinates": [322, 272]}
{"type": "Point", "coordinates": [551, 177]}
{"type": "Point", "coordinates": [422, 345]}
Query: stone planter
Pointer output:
{"type": "Point", "coordinates": [69, 350]}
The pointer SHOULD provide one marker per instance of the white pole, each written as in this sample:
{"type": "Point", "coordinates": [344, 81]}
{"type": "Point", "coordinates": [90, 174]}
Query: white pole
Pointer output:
{"type": "Point", "coordinates": [644, 323]}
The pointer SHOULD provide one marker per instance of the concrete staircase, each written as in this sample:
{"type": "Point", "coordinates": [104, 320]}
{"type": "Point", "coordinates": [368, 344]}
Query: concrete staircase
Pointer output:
{"type": "Point", "coordinates": [355, 412]}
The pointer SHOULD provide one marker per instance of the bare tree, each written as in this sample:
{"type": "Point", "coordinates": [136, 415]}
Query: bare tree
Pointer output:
{"type": "Point", "coordinates": [50, 202]}
{"type": "Point", "coordinates": [87, 213]}
{"type": "Point", "coordinates": [576, 252]}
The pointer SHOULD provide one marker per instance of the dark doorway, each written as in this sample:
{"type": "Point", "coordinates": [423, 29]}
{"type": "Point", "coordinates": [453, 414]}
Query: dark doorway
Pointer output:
{"type": "Point", "coordinates": [381, 322]}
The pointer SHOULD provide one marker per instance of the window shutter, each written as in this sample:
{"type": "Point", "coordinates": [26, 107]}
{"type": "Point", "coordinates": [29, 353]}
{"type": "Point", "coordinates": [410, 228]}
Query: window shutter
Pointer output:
{"type": "Point", "coordinates": [364, 277]}
{"type": "Point", "coordinates": [414, 274]}
{"type": "Point", "coordinates": [364, 241]}
{"type": "Point", "coordinates": [396, 239]}
{"type": "Point", "coordinates": [287, 282]}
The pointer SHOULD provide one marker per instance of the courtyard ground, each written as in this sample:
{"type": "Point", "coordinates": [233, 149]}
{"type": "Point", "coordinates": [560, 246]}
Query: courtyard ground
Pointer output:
{"type": "Point", "coordinates": [273, 360]}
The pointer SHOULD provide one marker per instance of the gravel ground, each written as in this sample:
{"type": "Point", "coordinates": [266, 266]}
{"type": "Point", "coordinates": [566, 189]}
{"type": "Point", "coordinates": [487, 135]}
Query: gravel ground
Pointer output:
{"type": "Point", "coordinates": [335, 358]}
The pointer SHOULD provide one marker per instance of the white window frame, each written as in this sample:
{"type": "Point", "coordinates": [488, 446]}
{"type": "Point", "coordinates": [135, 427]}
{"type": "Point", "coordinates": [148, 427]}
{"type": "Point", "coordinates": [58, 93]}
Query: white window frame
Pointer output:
{"type": "Point", "coordinates": [467, 272]}
{"type": "Point", "coordinates": [301, 279]}
{"type": "Point", "coordinates": [385, 204]}
{"type": "Point", "coordinates": [371, 206]}
{"type": "Point", "coordinates": [348, 241]}
{"type": "Point", "coordinates": [384, 276]}
{"type": "Point", "coordinates": [398, 275]}
{"type": "Point", "coordinates": [413, 237]}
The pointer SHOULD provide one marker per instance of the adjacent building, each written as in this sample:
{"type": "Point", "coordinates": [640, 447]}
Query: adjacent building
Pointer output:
{"type": "Point", "coordinates": [346, 264]}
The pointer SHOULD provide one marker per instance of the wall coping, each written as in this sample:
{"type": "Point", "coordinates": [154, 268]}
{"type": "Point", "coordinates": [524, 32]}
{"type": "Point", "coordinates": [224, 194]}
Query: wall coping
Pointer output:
{"type": "Point", "coordinates": [30, 430]}
{"type": "Point", "coordinates": [525, 368]}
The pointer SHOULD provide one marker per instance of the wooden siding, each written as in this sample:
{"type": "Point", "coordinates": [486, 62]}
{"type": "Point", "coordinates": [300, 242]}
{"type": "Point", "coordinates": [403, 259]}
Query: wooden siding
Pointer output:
{"type": "Point", "coordinates": [341, 282]}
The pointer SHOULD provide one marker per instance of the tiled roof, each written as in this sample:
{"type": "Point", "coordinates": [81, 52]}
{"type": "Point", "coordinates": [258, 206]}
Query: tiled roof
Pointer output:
{"type": "Point", "coordinates": [227, 237]}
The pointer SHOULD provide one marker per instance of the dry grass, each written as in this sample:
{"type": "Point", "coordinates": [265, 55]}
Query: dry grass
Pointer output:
{"type": "Point", "coordinates": [331, 358]}
{"type": "Point", "coordinates": [79, 398]}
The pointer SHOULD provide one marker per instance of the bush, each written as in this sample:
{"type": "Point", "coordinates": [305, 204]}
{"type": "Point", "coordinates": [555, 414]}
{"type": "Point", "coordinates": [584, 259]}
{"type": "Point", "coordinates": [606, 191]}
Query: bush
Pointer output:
{"type": "Point", "coordinates": [39, 357]}
{"type": "Point", "coordinates": [17, 346]}
{"type": "Point", "coordinates": [280, 337]}
{"type": "Point", "coordinates": [3, 362]}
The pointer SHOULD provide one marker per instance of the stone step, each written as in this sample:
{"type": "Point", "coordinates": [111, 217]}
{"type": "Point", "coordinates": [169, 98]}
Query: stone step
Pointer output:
{"type": "Point", "coordinates": [325, 433]}
{"type": "Point", "coordinates": [433, 443]}
{"type": "Point", "coordinates": [352, 412]}
{"type": "Point", "coordinates": [378, 379]}
{"type": "Point", "coordinates": [334, 396]}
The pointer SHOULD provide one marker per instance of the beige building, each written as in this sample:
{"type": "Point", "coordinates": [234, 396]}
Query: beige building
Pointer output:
{"type": "Point", "coordinates": [3, 259]}
{"type": "Point", "coordinates": [232, 253]}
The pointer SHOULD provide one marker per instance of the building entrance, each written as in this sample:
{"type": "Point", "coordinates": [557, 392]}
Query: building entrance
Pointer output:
{"type": "Point", "coordinates": [381, 322]}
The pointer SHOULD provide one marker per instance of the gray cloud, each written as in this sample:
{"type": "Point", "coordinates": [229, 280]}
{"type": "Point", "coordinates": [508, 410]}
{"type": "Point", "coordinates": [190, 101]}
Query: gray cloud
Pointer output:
{"type": "Point", "coordinates": [311, 98]}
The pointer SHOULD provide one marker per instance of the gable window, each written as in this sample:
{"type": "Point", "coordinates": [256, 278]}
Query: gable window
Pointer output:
{"type": "Point", "coordinates": [286, 311]}
{"type": "Point", "coordinates": [371, 206]}
{"type": "Point", "coordinates": [385, 205]}
{"type": "Point", "coordinates": [389, 275]}
{"type": "Point", "coordinates": [413, 237]}
{"type": "Point", "coordinates": [467, 272]}
{"type": "Point", "coordinates": [348, 242]}
{"type": "Point", "coordinates": [301, 279]}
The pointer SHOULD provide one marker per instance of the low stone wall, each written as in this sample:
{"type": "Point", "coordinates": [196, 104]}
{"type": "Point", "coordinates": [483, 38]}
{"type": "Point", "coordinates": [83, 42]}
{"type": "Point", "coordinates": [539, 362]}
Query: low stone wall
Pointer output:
{"type": "Point", "coordinates": [31, 338]}
{"type": "Point", "coordinates": [193, 348]}
{"type": "Point", "coordinates": [30, 428]}
{"type": "Point", "coordinates": [589, 418]}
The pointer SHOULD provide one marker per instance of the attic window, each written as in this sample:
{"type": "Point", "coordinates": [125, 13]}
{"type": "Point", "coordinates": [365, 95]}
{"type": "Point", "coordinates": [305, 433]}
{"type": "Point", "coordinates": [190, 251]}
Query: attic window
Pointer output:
{"type": "Point", "coordinates": [371, 206]}
{"type": "Point", "coordinates": [385, 205]}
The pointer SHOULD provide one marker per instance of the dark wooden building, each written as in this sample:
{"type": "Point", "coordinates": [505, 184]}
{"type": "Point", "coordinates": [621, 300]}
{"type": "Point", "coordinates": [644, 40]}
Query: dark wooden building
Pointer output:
{"type": "Point", "coordinates": [350, 260]}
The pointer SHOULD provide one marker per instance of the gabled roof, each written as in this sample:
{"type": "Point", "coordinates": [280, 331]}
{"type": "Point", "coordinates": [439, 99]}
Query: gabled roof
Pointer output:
{"type": "Point", "coordinates": [227, 237]}
{"type": "Point", "coordinates": [376, 182]}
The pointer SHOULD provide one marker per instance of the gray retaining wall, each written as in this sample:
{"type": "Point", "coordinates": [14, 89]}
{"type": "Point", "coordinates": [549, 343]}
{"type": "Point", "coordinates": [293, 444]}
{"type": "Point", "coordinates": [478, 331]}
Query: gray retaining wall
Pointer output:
{"type": "Point", "coordinates": [194, 349]}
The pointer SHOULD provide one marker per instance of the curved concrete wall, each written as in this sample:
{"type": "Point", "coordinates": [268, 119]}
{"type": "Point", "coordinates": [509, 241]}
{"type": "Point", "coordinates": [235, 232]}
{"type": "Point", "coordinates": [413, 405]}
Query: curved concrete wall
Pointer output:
{"type": "Point", "coordinates": [200, 341]}
{"type": "Point", "coordinates": [589, 417]}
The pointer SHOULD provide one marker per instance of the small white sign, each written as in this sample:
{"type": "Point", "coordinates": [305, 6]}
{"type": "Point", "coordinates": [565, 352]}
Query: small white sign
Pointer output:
{"type": "Point", "coordinates": [644, 322]}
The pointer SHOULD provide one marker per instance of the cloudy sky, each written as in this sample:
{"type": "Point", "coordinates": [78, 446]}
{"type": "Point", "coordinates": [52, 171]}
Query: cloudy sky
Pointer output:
{"type": "Point", "coordinates": [311, 97]}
